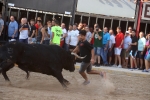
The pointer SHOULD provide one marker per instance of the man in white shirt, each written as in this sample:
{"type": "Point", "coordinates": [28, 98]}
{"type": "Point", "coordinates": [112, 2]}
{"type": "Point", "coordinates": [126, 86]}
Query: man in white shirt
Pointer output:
{"type": "Point", "coordinates": [126, 49]}
{"type": "Point", "coordinates": [73, 38]}
{"type": "Point", "coordinates": [111, 45]}
{"type": "Point", "coordinates": [24, 31]}
{"type": "Point", "coordinates": [64, 34]}
{"type": "Point", "coordinates": [88, 34]}
{"type": "Point", "coordinates": [67, 39]}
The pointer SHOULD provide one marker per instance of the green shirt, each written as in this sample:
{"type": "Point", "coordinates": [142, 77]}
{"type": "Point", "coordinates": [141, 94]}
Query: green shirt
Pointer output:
{"type": "Point", "coordinates": [97, 42]}
{"type": "Point", "coordinates": [57, 31]}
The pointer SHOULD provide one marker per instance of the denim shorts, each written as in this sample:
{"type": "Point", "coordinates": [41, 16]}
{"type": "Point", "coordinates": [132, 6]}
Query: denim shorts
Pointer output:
{"type": "Point", "coordinates": [97, 51]}
{"type": "Point", "coordinates": [147, 56]}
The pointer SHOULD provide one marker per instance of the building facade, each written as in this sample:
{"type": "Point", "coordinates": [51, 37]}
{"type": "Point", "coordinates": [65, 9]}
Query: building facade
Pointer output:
{"type": "Point", "coordinates": [109, 13]}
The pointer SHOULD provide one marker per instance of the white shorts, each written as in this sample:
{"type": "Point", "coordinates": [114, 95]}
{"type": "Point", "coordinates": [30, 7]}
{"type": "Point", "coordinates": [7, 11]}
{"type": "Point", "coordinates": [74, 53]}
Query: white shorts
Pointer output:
{"type": "Point", "coordinates": [118, 51]}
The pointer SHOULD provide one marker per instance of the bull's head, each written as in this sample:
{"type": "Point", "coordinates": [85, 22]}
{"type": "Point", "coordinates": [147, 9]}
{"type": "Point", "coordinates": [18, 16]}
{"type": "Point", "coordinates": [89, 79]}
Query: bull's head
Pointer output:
{"type": "Point", "coordinates": [71, 60]}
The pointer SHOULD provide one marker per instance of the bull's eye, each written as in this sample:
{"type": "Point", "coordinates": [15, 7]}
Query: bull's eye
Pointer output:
{"type": "Point", "coordinates": [10, 50]}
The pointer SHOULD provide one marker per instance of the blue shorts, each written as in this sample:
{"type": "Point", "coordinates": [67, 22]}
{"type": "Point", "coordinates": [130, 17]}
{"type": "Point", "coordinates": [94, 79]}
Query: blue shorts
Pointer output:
{"type": "Point", "coordinates": [147, 57]}
{"type": "Point", "coordinates": [97, 51]}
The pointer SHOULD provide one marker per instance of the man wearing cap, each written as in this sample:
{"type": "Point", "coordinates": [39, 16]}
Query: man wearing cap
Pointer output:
{"type": "Point", "coordinates": [126, 49]}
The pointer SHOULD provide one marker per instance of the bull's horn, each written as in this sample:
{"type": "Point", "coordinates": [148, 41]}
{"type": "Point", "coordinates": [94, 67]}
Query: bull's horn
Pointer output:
{"type": "Point", "coordinates": [77, 56]}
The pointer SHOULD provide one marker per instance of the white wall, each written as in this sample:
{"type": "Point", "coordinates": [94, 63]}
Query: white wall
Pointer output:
{"type": "Point", "coordinates": [121, 8]}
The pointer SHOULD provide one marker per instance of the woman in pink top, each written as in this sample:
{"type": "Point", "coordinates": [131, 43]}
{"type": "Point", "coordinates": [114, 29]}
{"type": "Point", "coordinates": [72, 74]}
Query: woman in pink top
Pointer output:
{"type": "Point", "coordinates": [147, 56]}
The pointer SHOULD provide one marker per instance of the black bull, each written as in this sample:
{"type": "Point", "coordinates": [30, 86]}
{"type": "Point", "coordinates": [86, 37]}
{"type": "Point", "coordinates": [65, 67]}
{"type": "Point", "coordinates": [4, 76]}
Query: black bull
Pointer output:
{"type": "Point", "coordinates": [50, 60]}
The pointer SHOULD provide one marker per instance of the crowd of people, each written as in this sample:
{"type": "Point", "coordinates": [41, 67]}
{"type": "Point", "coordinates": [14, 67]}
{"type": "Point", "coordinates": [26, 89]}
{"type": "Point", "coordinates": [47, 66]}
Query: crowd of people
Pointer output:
{"type": "Point", "coordinates": [129, 50]}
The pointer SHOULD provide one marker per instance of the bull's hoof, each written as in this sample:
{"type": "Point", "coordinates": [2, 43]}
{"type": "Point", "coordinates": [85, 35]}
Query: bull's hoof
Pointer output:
{"type": "Point", "coordinates": [27, 77]}
{"type": "Point", "coordinates": [8, 83]}
{"type": "Point", "coordinates": [67, 83]}
{"type": "Point", "coordinates": [65, 88]}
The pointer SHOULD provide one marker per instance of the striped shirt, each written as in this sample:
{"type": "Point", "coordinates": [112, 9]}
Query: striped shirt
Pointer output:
{"type": "Point", "coordinates": [24, 32]}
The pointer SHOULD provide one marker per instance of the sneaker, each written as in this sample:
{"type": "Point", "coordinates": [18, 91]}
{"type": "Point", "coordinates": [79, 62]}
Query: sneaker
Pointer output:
{"type": "Point", "coordinates": [95, 64]}
{"type": "Point", "coordinates": [131, 69]}
{"type": "Point", "coordinates": [145, 70]}
{"type": "Point", "coordinates": [119, 66]}
{"type": "Point", "coordinates": [136, 68]}
{"type": "Point", "coordinates": [98, 65]}
{"type": "Point", "coordinates": [114, 65]}
{"type": "Point", "coordinates": [86, 82]}
{"type": "Point", "coordinates": [109, 65]}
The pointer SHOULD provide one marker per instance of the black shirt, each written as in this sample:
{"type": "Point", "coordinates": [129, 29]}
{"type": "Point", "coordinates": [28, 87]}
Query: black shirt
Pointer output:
{"type": "Point", "coordinates": [85, 50]}
{"type": "Point", "coordinates": [33, 28]}
{"type": "Point", "coordinates": [134, 39]}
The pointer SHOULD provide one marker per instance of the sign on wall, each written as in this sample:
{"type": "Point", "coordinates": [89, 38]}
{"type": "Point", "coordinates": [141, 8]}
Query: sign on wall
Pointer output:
{"type": "Point", "coordinates": [146, 11]}
{"type": "Point", "coordinates": [120, 8]}
{"type": "Point", "coordinates": [57, 6]}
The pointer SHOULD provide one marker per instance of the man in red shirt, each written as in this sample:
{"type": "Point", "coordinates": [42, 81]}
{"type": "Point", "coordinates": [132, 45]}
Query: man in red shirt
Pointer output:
{"type": "Point", "coordinates": [118, 47]}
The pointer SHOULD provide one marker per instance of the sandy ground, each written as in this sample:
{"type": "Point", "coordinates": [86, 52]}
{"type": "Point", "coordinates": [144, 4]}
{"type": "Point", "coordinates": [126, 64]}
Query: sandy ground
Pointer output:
{"type": "Point", "coordinates": [43, 87]}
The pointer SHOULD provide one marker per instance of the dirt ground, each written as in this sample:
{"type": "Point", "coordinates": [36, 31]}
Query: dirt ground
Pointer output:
{"type": "Point", "coordinates": [43, 87]}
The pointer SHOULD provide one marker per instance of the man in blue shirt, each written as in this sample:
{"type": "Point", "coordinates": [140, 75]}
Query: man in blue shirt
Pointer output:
{"type": "Point", "coordinates": [104, 50]}
{"type": "Point", "coordinates": [12, 29]}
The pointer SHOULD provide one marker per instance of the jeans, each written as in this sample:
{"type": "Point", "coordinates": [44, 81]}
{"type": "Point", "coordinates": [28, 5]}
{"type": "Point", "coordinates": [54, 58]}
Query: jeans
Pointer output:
{"type": "Point", "coordinates": [66, 47]}
{"type": "Point", "coordinates": [24, 41]}
{"type": "Point", "coordinates": [97, 51]}
{"type": "Point", "coordinates": [104, 54]}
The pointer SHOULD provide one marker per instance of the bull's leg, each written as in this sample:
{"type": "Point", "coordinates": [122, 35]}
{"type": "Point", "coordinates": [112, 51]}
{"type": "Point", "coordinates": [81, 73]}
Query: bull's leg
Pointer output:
{"type": "Point", "coordinates": [24, 69]}
{"type": "Point", "coordinates": [60, 78]}
{"type": "Point", "coordinates": [5, 75]}
{"type": "Point", "coordinates": [66, 82]}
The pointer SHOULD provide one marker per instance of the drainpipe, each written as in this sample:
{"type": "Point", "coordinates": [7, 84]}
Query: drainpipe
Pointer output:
{"type": "Point", "coordinates": [73, 12]}
{"type": "Point", "coordinates": [139, 18]}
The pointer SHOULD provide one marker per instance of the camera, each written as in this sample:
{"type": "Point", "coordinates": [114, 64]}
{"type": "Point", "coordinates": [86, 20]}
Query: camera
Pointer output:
{"type": "Point", "coordinates": [97, 29]}
{"type": "Point", "coordinates": [46, 29]}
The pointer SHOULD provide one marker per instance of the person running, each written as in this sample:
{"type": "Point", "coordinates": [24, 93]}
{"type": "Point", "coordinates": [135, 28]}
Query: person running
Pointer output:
{"type": "Point", "coordinates": [87, 50]}
{"type": "Point", "coordinates": [56, 33]}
